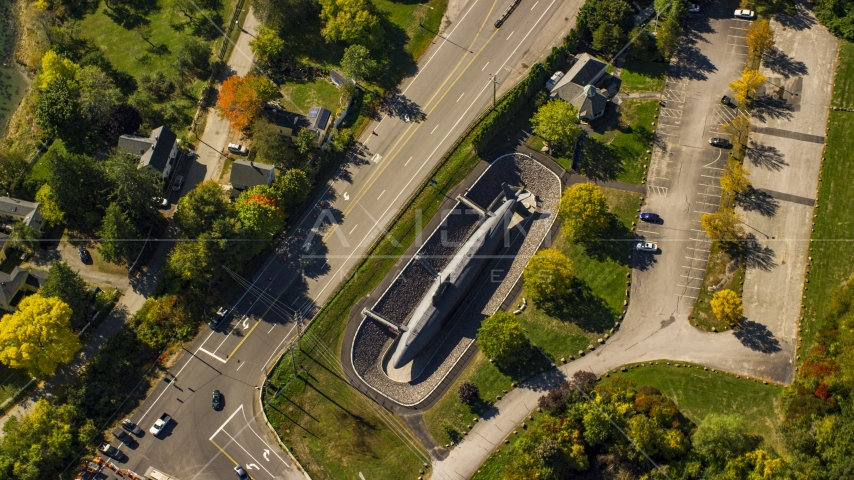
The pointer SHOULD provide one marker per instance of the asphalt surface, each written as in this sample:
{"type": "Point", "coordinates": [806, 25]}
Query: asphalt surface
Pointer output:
{"type": "Point", "coordinates": [683, 173]}
{"type": "Point", "coordinates": [449, 90]}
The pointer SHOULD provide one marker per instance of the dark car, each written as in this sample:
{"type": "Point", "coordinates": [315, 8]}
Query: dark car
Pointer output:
{"type": "Point", "coordinates": [123, 437]}
{"type": "Point", "coordinates": [650, 217]}
{"type": "Point", "coordinates": [131, 427]}
{"type": "Point", "coordinates": [111, 451]}
{"type": "Point", "coordinates": [725, 100]}
{"type": "Point", "coordinates": [84, 255]}
{"type": "Point", "coordinates": [719, 142]}
{"type": "Point", "coordinates": [241, 473]}
{"type": "Point", "coordinates": [216, 400]}
{"type": "Point", "coordinates": [217, 318]}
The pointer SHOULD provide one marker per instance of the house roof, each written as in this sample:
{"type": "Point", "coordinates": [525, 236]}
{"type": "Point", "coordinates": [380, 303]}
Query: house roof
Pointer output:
{"type": "Point", "coordinates": [153, 151]}
{"type": "Point", "coordinates": [337, 77]}
{"type": "Point", "coordinates": [319, 117]}
{"type": "Point", "coordinates": [286, 119]}
{"type": "Point", "coordinates": [250, 174]}
{"type": "Point", "coordinates": [586, 70]}
{"type": "Point", "coordinates": [30, 211]}
{"type": "Point", "coordinates": [590, 103]}
{"type": "Point", "coordinates": [10, 283]}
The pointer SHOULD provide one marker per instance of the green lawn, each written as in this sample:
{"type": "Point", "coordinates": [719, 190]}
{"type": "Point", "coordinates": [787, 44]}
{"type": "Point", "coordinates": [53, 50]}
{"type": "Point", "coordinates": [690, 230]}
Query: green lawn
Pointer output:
{"type": "Point", "coordinates": [699, 392]}
{"type": "Point", "coordinates": [715, 274]}
{"type": "Point", "coordinates": [832, 250]}
{"type": "Point", "coordinates": [301, 96]}
{"type": "Point", "coordinates": [450, 409]}
{"type": "Point", "coordinates": [564, 160]}
{"type": "Point", "coordinates": [11, 380]}
{"type": "Point", "coordinates": [620, 152]}
{"type": "Point", "coordinates": [640, 76]}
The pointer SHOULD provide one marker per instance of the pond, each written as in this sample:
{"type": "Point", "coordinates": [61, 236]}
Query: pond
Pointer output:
{"type": "Point", "coordinates": [13, 86]}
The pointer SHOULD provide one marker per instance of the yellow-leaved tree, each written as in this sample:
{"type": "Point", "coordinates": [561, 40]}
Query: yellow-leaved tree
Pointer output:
{"type": "Point", "coordinates": [54, 66]}
{"type": "Point", "coordinates": [735, 178]}
{"type": "Point", "coordinates": [726, 305]}
{"type": "Point", "coordinates": [750, 80]}
{"type": "Point", "coordinates": [760, 37]}
{"type": "Point", "coordinates": [723, 225]}
{"type": "Point", "coordinates": [583, 210]}
{"type": "Point", "coordinates": [548, 276]}
{"type": "Point", "coordinates": [38, 337]}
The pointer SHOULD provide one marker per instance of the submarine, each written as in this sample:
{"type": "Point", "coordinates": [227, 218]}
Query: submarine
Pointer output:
{"type": "Point", "coordinates": [455, 281]}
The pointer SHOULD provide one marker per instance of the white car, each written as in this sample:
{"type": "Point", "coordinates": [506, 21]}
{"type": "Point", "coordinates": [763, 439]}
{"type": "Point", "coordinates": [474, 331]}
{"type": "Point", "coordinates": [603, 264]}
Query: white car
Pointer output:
{"type": "Point", "coordinates": [693, 8]}
{"type": "Point", "coordinates": [746, 14]}
{"type": "Point", "coordinates": [237, 149]}
{"type": "Point", "coordinates": [646, 247]}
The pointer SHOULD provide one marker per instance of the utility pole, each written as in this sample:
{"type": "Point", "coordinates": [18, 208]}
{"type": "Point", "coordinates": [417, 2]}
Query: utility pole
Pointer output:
{"type": "Point", "coordinates": [293, 344]}
{"type": "Point", "coordinates": [494, 83]}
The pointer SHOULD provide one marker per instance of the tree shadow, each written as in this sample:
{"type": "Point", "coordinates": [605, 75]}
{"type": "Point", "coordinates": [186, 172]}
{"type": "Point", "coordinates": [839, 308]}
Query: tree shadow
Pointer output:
{"type": "Point", "coordinates": [526, 363]}
{"type": "Point", "coordinates": [397, 105]}
{"type": "Point", "coordinates": [756, 255]}
{"type": "Point", "coordinates": [598, 160]}
{"type": "Point", "coordinates": [583, 308]}
{"type": "Point", "coordinates": [771, 106]}
{"type": "Point", "coordinates": [782, 64]}
{"type": "Point", "coordinates": [691, 63]}
{"type": "Point", "coordinates": [756, 337]}
{"type": "Point", "coordinates": [766, 156]}
{"type": "Point", "coordinates": [614, 243]}
{"type": "Point", "coordinates": [754, 200]}
{"type": "Point", "coordinates": [125, 17]}
{"type": "Point", "coordinates": [799, 21]}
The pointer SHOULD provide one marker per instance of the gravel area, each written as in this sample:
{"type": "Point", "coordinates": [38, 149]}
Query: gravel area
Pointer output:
{"type": "Point", "coordinates": [373, 339]}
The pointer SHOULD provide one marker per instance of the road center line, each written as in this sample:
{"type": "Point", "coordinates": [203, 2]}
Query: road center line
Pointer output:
{"type": "Point", "coordinates": [484, 67]}
{"type": "Point", "coordinates": [538, 1]}
{"type": "Point", "coordinates": [461, 97]}
{"type": "Point", "coordinates": [381, 196]}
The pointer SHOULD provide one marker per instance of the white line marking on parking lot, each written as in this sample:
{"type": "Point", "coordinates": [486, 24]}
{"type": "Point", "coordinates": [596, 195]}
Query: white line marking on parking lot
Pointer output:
{"type": "Point", "coordinates": [381, 196]}
{"type": "Point", "coordinates": [407, 162]}
{"type": "Point", "coordinates": [684, 295]}
{"type": "Point", "coordinates": [687, 286]}
{"type": "Point", "coordinates": [538, 1]}
{"type": "Point", "coordinates": [693, 268]}
{"type": "Point", "coordinates": [707, 185]}
{"type": "Point", "coordinates": [434, 129]}
{"type": "Point", "coordinates": [698, 259]}
{"type": "Point", "coordinates": [201, 349]}
{"type": "Point", "coordinates": [709, 194]}
{"type": "Point", "coordinates": [511, 34]}
{"type": "Point", "coordinates": [461, 97]}
{"type": "Point", "coordinates": [484, 67]}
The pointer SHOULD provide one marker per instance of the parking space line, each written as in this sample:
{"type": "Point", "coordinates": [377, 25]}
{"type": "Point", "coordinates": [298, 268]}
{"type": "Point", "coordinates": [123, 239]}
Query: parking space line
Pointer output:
{"type": "Point", "coordinates": [707, 185]}
{"type": "Point", "coordinates": [692, 268]}
{"type": "Point", "coordinates": [709, 176]}
{"type": "Point", "coordinates": [649, 232]}
{"type": "Point", "coordinates": [201, 349]}
{"type": "Point", "coordinates": [709, 194]}
{"type": "Point", "coordinates": [709, 204]}
{"type": "Point", "coordinates": [688, 286]}
{"type": "Point", "coordinates": [698, 259]}
{"type": "Point", "coordinates": [684, 295]}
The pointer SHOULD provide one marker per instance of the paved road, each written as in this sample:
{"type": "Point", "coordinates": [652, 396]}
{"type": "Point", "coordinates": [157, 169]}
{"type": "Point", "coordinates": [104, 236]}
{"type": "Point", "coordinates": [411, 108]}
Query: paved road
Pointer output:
{"type": "Point", "coordinates": [450, 89]}
{"type": "Point", "coordinates": [683, 174]}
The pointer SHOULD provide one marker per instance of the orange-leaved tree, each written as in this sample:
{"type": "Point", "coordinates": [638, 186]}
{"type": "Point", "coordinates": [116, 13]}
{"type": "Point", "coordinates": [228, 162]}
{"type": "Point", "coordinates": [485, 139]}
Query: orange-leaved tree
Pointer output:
{"type": "Point", "coordinates": [241, 98]}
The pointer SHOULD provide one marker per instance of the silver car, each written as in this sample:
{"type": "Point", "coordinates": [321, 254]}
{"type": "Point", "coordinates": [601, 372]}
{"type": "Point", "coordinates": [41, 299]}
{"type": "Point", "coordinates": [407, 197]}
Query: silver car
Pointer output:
{"type": "Point", "coordinates": [646, 247]}
{"type": "Point", "coordinates": [745, 14]}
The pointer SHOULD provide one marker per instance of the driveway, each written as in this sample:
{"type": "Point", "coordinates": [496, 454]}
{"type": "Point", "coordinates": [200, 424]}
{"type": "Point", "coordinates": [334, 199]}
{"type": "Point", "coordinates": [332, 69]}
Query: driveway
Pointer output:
{"type": "Point", "coordinates": [89, 272]}
{"type": "Point", "coordinates": [683, 184]}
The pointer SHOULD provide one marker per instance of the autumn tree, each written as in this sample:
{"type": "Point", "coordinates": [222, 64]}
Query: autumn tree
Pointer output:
{"type": "Point", "coordinates": [735, 178]}
{"type": "Point", "coordinates": [258, 210]}
{"type": "Point", "coordinates": [37, 337]}
{"type": "Point", "coordinates": [201, 208]}
{"type": "Point", "coordinates": [67, 285]}
{"type": "Point", "coordinates": [726, 305]}
{"type": "Point", "coordinates": [54, 66]}
{"type": "Point", "coordinates": [192, 261]}
{"type": "Point", "coordinates": [503, 339]}
{"type": "Point", "coordinates": [583, 210]}
{"type": "Point", "coordinates": [760, 37]}
{"type": "Point", "coordinates": [241, 99]}
{"type": "Point", "coordinates": [267, 45]}
{"type": "Point", "coordinates": [292, 189]}
{"type": "Point", "coordinates": [469, 393]}
{"type": "Point", "coordinates": [351, 22]}
{"type": "Point", "coordinates": [557, 123]}
{"type": "Point", "coordinates": [738, 128]}
{"type": "Point", "coordinates": [724, 225]}
{"type": "Point", "coordinates": [750, 80]}
{"type": "Point", "coordinates": [548, 276]}
{"type": "Point", "coordinates": [357, 62]}
{"type": "Point", "coordinates": [49, 208]}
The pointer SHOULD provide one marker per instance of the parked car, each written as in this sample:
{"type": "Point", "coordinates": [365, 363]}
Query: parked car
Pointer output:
{"type": "Point", "coordinates": [84, 255]}
{"type": "Point", "coordinates": [646, 247]}
{"type": "Point", "coordinates": [719, 142]}
{"type": "Point", "coordinates": [725, 100]}
{"type": "Point", "coordinates": [159, 424]}
{"type": "Point", "coordinates": [650, 217]}
{"type": "Point", "coordinates": [241, 473]}
{"type": "Point", "coordinates": [123, 437]}
{"type": "Point", "coordinates": [237, 149]}
{"type": "Point", "coordinates": [217, 318]}
{"type": "Point", "coordinates": [179, 182]}
{"type": "Point", "coordinates": [111, 451]}
{"type": "Point", "coordinates": [131, 427]}
{"type": "Point", "coordinates": [216, 400]}
{"type": "Point", "coordinates": [745, 14]}
{"type": "Point", "coordinates": [693, 8]}
{"type": "Point", "coordinates": [161, 202]}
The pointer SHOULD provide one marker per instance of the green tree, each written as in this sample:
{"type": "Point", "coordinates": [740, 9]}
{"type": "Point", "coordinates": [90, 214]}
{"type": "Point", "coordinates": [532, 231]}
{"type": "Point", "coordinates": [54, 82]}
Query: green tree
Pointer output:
{"type": "Point", "coordinates": [201, 208]}
{"type": "Point", "coordinates": [594, 14]}
{"type": "Point", "coordinates": [643, 47]}
{"type": "Point", "coordinates": [352, 22]}
{"type": "Point", "coordinates": [548, 276]}
{"type": "Point", "coordinates": [667, 37]}
{"type": "Point", "coordinates": [557, 123]}
{"type": "Point", "coordinates": [162, 318]}
{"type": "Point", "coordinates": [67, 285]}
{"type": "Point", "coordinates": [501, 338]}
{"type": "Point", "coordinates": [272, 146]}
{"type": "Point", "coordinates": [23, 237]}
{"type": "Point", "coordinates": [38, 443]}
{"type": "Point", "coordinates": [194, 56]}
{"type": "Point", "coordinates": [97, 94]}
{"type": "Point", "coordinates": [342, 139]}
{"type": "Point", "coordinates": [12, 166]}
{"type": "Point", "coordinates": [584, 211]}
{"type": "Point", "coordinates": [292, 188]}
{"type": "Point", "coordinates": [37, 337]}
{"type": "Point", "coordinates": [305, 141]}
{"type": "Point", "coordinates": [78, 184]}
{"type": "Point", "coordinates": [49, 207]}
{"type": "Point", "coordinates": [258, 211]}
{"type": "Point", "coordinates": [608, 38]}
{"type": "Point", "coordinates": [122, 119]}
{"type": "Point", "coordinates": [720, 438]}
{"type": "Point", "coordinates": [726, 305]}
{"type": "Point", "coordinates": [192, 261]}
{"type": "Point", "coordinates": [119, 239]}
{"type": "Point", "coordinates": [58, 112]}
{"type": "Point", "coordinates": [357, 62]}
{"type": "Point", "coordinates": [132, 188]}
{"type": "Point", "coordinates": [267, 45]}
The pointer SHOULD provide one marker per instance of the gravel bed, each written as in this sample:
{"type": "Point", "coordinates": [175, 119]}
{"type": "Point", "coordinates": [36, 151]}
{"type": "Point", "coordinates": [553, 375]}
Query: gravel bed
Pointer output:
{"type": "Point", "coordinates": [372, 339]}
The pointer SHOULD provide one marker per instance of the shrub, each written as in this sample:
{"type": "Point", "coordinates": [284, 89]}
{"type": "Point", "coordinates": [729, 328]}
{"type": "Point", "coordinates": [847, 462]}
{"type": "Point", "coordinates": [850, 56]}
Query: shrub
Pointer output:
{"type": "Point", "coordinates": [469, 393]}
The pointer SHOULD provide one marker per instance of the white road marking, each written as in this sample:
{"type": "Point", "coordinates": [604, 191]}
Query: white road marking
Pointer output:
{"type": "Point", "coordinates": [538, 1]}
{"type": "Point", "coordinates": [346, 196]}
{"type": "Point", "coordinates": [511, 34]}
{"type": "Point", "coordinates": [461, 97]}
{"type": "Point", "coordinates": [238, 367]}
{"type": "Point", "coordinates": [649, 232]}
{"type": "Point", "coordinates": [271, 328]}
{"type": "Point", "coordinates": [698, 259]}
{"type": "Point", "coordinates": [707, 185]}
{"type": "Point", "coordinates": [685, 296]}
{"type": "Point", "coordinates": [434, 129]}
{"type": "Point", "coordinates": [484, 67]}
{"type": "Point", "coordinates": [709, 176]}
{"type": "Point", "coordinates": [224, 423]}
{"type": "Point", "coordinates": [247, 453]}
{"type": "Point", "coordinates": [354, 229]}
{"type": "Point", "coordinates": [376, 158]}
{"type": "Point", "coordinates": [709, 194]}
{"type": "Point", "coordinates": [264, 442]}
{"type": "Point", "coordinates": [687, 286]}
{"type": "Point", "coordinates": [381, 196]}
{"type": "Point", "coordinates": [693, 268]}
{"type": "Point", "coordinates": [407, 162]}
{"type": "Point", "coordinates": [201, 349]}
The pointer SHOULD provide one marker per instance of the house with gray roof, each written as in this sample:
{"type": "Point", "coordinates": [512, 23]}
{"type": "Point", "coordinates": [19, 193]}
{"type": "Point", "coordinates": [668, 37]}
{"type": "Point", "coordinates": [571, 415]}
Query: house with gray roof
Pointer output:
{"type": "Point", "coordinates": [577, 87]}
{"type": "Point", "coordinates": [14, 286]}
{"type": "Point", "coordinates": [157, 151]}
{"type": "Point", "coordinates": [13, 211]}
{"type": "Point", "coordinates": [246, 174]}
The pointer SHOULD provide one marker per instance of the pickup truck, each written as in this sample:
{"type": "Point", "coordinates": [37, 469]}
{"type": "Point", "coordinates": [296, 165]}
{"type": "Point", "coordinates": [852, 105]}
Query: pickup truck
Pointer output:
{"type": "Point", "coordinates": [159, 424]}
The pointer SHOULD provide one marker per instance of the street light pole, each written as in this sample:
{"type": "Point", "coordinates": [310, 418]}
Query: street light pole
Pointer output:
{"type": "Point", "coordinates": [494, 83]}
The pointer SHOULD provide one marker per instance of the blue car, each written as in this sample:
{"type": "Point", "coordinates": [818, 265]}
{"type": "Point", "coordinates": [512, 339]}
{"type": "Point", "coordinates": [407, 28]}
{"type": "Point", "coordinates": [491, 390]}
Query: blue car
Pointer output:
{"type": "Point", "coordinates": [650, 217]}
